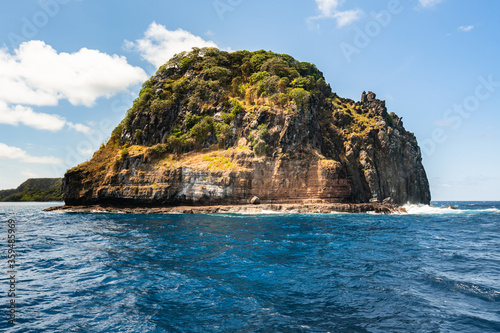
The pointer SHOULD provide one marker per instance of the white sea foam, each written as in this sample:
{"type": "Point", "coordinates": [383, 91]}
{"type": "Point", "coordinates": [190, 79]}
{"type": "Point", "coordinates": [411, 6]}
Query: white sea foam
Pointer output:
{"type": "Point", "coordinates": [271, 212]}
{"type": "Point", "coordinates": [414, 209]}
{"type": "Point", "coordinates": [419, 209]}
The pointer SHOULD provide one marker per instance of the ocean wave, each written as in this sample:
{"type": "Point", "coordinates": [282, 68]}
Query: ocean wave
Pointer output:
{"type": "Point", "coordinates": [420, 209]}
{"type": "Point", "coordinates": [466, 287]}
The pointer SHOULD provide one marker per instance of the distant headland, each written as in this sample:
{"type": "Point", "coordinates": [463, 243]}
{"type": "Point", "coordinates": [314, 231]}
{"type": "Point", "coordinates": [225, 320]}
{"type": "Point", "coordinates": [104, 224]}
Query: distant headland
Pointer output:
{"type": "Point", "coordinates": [35, 189]}
{"type": "Point", "coordinates": [216, 128]}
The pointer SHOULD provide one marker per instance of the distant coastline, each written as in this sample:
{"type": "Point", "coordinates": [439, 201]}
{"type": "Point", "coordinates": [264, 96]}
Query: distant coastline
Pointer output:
{"type": "Point", "coordinates": [34, 189]}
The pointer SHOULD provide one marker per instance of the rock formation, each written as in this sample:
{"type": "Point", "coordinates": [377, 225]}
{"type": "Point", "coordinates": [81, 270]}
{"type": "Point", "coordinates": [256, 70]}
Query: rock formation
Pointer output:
{"type": "Point", "coordinates": [213, 127]}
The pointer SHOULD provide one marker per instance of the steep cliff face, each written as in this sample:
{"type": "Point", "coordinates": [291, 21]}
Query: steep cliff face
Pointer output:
{"type": "Point", "coordinates": [213, 127]}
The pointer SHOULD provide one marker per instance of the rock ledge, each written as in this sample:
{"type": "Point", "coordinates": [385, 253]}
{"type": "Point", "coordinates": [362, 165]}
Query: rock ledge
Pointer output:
{"type": "Point", "coordinates": [320, 208]}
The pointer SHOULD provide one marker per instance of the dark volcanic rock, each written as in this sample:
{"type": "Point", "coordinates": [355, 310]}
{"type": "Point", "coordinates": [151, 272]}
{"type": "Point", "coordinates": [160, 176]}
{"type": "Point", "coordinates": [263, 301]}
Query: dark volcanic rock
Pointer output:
{"type": "Point", "coordinates": [218, 128]}
{"type": "Point", "coordinates": [255, 201]}
{"type": "Point", "coordinates": [364, 99]}
{"type": "Point", "coordinates": [370, 97]}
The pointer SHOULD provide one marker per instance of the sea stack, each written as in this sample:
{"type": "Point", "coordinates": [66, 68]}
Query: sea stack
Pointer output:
{"type": "Point", "coordinates": [219, 128]}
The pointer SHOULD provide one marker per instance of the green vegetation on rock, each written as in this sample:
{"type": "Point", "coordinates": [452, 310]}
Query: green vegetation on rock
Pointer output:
{"type": "Point", "coordinates": [257, 138]}
{"type": "Point", "coordinates": [206, 90]}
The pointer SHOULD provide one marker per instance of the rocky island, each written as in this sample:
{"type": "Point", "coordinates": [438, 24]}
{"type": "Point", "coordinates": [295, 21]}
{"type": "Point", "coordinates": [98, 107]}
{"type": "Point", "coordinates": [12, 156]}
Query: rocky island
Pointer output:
{"type": "Point", "coordinates": [219, 131]}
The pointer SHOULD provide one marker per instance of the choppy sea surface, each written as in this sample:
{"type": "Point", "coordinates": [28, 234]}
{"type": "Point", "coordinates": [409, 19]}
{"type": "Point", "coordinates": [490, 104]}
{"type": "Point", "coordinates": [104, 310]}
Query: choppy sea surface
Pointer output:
{"type": "Point", "coordinates": [432, 270]}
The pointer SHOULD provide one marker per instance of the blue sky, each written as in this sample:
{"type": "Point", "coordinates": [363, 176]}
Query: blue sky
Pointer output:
{"type": "Point", "coordinates": [69, 70]}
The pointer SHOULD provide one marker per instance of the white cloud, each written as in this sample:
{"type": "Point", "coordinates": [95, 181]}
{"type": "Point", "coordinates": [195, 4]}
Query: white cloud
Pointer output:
{"type": "Point", "coordinates": [86, 151]}
{"type": "Point", "coordinates": [36, 74]}
{"type": "Point", "coordinates": [29, 174]}
{"type": "Point", "coordinates": [329, 9]}
{"type": "Point", "coordinates": [160, 44]}
{"type": "Point", "coordinates": [14, 153]}
{"type": "Point", "coordinates": [78, 127]}
{"type": "Point", "coordinates": [466, 28]}
{"type": "Point", "coordinates": [25, 115]}
{"type": "Point", "coordinates": [429, 3]}
{"type": "Point", "coordinates": [347, 17]}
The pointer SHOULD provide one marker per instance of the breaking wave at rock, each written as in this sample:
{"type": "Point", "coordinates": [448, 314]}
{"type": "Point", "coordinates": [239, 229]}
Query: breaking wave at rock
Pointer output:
{"type": "Point", "coordinates": [420, 209]}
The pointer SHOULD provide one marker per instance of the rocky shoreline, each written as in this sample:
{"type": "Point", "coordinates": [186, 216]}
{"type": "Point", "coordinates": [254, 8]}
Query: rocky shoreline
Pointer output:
{"type": "Point", "coordinates": [320, 208]}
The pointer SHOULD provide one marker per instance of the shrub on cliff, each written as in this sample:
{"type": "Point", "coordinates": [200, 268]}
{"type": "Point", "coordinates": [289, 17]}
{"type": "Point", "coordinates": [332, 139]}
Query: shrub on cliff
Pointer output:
{"type": "Point", "coordinates": [257, 138]}
{"type": "Point", "coordinates": [198, 98]}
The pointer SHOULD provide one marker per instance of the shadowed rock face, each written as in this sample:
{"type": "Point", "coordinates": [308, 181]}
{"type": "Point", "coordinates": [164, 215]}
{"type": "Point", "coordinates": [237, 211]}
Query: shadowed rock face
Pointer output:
{"type": "Point", "coordinates": [213, 127]}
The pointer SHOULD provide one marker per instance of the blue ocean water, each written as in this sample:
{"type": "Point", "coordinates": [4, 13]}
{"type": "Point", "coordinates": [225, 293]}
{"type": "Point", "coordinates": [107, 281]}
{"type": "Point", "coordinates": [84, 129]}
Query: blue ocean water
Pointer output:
{"type": "Point", "coordinates": [433, 270]}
